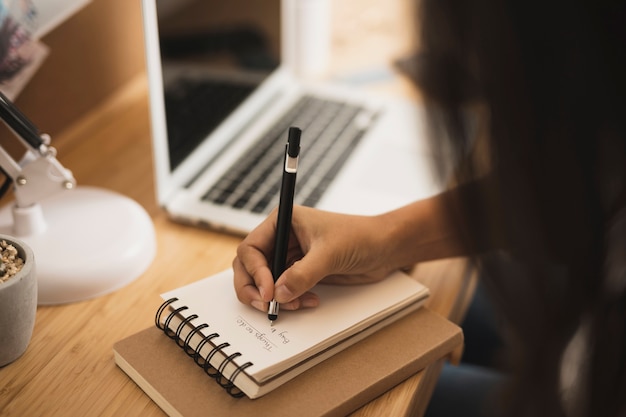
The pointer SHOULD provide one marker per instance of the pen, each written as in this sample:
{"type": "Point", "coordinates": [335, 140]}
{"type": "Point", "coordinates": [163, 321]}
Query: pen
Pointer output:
{"type": "Point", "coordinates": [285, 210]}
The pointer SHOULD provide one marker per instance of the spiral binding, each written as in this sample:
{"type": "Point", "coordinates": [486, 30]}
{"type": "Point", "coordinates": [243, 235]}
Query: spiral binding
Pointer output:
{"type": "Point", "coordinates": [204, 362]}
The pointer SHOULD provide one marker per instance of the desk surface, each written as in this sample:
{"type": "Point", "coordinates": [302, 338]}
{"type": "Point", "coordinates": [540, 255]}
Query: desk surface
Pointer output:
{"type": "Point", "coordinates": [68, 368]}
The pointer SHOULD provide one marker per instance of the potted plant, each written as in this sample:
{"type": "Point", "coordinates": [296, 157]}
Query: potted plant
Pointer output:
{"type": "Point", "coordinates": [18, 298]}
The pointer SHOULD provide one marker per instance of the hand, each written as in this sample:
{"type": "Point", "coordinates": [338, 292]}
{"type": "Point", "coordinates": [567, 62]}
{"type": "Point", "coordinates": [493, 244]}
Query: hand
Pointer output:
{"type": "Point", "coordinates": [336, 248]}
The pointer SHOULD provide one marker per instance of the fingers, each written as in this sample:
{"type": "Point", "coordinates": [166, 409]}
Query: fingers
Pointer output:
{"type": "Point", "coordinates": [250, 268]}
{"type": "Point", "coordinates": [322, 245]}
{"type": "Point", "coordinates": [248, 292]}
{"type": "Point", "coordinates": [253, 280]}
{"type": "Point", "coordinates": [294, 283]}
{"type": "Point", "coordinates": [254, 293]}
{"type": "Point", "coordinates": [306, 300]}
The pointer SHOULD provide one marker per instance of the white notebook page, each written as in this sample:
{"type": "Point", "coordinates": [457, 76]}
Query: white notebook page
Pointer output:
{"type": "Point", "coordinates": [296, 334]}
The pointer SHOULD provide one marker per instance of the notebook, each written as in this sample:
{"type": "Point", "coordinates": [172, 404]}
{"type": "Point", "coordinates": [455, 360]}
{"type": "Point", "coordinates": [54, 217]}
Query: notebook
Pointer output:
{"type": "Point", "coordinates": [248, 355]}
{"type": "Point", "coordinates": [335, 387]}
{"type": "Point", "coordinates": [222, 99]}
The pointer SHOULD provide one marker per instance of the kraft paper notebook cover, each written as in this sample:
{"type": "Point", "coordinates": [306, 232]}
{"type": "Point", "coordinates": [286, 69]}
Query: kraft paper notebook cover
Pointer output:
{"type": "Point", "coordinates": [335, 387]}
{"type": "Point", "coordinates": [248, 354]}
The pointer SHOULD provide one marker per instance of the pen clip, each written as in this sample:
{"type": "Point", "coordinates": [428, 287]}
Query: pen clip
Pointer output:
{"type": "Point", "coordinates": [291, 163]}
{"type": "Point", "coordinates": [292, 150]}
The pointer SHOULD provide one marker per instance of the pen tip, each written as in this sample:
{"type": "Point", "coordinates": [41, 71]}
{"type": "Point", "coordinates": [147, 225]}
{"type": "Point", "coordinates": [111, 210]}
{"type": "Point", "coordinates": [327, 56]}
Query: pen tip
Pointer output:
{"type": "Point", "coordinates": [271, 323]}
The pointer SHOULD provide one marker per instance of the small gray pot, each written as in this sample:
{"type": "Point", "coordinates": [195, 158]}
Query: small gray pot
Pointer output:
{"type": "Point", "coordinates": [18, 305]}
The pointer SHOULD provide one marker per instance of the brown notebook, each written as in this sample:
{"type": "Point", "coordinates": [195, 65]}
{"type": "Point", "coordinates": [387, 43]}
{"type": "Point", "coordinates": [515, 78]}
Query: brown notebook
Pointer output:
{"type": "Point", "coordinates": [335, 387]}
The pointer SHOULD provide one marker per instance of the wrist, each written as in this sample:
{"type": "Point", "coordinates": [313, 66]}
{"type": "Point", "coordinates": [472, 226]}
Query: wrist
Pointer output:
{"type": "Point", "coordinates": [417, 232]}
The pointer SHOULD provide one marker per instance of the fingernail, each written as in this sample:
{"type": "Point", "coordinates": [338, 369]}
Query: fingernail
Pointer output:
{"type": "Point", "coordinates": [259, 305]}
{"type": "Point", "coordinates": [282, 294]}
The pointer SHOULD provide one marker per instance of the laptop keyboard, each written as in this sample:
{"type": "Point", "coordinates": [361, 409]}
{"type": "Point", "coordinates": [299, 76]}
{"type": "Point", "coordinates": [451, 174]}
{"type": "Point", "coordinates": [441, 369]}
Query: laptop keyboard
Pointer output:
{"type": "Point", "coordinates": [330, 131]}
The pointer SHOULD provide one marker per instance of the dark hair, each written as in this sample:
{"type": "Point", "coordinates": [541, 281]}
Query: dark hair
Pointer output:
{"type": "Point", "coordinates": [538, 87]}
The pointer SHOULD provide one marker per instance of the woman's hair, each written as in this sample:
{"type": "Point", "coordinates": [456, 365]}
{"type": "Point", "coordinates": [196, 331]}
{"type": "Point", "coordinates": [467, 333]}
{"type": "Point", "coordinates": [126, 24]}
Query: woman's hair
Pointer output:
{"type": "Point", "coordinates": [529, 97]}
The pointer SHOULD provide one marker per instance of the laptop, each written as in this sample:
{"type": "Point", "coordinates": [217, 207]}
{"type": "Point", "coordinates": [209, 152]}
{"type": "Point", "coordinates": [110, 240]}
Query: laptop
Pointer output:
{"type": "Point", "coordinates": [222, 100]}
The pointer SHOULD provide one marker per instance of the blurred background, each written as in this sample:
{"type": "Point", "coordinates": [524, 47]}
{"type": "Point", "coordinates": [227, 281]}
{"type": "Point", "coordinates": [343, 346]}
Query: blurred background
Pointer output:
{"type": "Point", "coordinates": [95, 48]}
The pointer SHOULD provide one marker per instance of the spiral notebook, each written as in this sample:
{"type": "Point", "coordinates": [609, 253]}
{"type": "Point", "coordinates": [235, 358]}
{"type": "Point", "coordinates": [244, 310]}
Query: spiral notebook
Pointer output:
{"type": "Point", "coordinates": [237, 345]}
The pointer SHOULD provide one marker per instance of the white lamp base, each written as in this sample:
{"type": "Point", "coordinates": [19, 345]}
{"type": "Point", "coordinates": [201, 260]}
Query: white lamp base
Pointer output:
{"type": "Point", "coordinates": [87, 242]}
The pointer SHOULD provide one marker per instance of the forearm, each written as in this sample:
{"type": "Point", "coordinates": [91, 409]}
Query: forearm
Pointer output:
{"type": "Point", "coordinates": [421, 231]}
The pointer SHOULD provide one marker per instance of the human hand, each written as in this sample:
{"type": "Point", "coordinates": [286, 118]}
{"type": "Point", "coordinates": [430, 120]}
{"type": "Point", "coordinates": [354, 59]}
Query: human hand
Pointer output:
{"type": "Point", "coordinates": [336, 248]}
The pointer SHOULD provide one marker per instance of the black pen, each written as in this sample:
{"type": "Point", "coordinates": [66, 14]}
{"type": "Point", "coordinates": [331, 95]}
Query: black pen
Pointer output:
{"type": "Point", "coordinates": [285, 210]}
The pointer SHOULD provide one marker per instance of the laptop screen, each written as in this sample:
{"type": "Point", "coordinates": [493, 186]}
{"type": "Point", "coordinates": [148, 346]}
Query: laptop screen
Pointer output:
{"type": "Point", "coordinates": [214, 53]}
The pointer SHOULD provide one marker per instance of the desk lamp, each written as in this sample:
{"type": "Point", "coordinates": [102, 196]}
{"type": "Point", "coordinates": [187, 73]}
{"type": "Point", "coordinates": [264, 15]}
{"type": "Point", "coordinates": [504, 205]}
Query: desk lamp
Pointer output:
{"type": "Point", "coordinates": [87, 241]}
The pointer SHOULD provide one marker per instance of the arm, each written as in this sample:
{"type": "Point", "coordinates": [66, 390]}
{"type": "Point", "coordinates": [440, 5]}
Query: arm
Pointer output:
{"type": "Point", "coordinates": [342, 249]}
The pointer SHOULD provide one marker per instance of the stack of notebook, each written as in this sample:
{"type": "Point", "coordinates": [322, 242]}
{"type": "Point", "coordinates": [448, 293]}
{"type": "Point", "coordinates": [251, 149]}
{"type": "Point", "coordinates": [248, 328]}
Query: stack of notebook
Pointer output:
{"type": "Point", "coordinates": [360, 342]}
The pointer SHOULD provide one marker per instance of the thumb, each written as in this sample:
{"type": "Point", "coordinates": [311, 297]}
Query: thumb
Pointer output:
{"type": "Point", "coordinates": [301, 276]}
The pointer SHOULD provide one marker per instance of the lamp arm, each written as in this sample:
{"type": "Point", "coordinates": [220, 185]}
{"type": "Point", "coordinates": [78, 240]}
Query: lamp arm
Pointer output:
{"type": "Point", "coordinates": [39, 174]}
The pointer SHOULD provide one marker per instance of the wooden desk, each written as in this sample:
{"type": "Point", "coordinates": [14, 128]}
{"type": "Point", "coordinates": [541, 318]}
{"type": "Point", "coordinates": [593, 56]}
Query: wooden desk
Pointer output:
{"type": "Point", "coordinates": [68, 368]}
